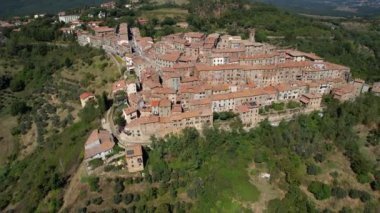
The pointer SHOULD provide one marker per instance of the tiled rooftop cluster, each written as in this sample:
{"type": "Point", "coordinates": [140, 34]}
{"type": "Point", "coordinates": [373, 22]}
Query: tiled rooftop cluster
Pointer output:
{"type": "Point", "coordinates": [184, 78]}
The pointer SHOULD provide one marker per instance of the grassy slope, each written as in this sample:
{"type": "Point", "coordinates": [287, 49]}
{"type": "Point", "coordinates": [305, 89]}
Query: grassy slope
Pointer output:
{"type": "Point", "coordinates": [61, 154]}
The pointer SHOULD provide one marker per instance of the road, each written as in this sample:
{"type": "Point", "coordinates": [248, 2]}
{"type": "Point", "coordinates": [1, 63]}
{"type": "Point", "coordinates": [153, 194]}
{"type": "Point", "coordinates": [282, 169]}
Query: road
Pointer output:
{"type": "Point", "coordinates": [108, 120]}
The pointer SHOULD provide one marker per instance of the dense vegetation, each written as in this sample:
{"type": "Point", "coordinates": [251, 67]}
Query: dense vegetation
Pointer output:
{"type": "Point", "coordinates": [40, 53]}
{"type": "Point", "coordinates": [328, 8]}
{"type": "Point", "coordinates": [214, 165]}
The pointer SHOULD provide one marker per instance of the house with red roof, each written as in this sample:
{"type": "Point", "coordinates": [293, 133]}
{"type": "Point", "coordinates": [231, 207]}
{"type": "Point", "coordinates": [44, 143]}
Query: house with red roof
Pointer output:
{"type": "Point", "coordinates": [130, 114]}
{"type": "Point", "coordinates": [120, 85]}
{"type": "Point", "coordinates": [86, 97]}
{"type": "Point", "coordinates": [98, 145]}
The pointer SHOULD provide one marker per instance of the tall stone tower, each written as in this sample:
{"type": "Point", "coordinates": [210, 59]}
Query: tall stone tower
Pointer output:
{"type": "Point", "coordinates": [252, 33]}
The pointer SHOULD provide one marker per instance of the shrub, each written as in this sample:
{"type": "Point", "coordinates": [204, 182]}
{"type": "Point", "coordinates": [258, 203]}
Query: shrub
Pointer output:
{"type": "Point", "coordinates": [293, 105]}
{"type": "Point", "coordinates": [117, 198]}
{"type": "Point", "coordinates": [338, 192]}
{"type": "Point", "coordinates": [365, 196]}
{"type": "Point", "coordinates": [320, 190]}
{"type": "Point", "coordinates": [313, 169]}
{"type": "Point", "coordinates": [93, 183]}
{"type": "Point", "coordinates": [119, 186]}
{"type": "Point", "coordinates": [375, 185]}
{"type": "Point", "coordinates": [97, 201]}
{"type": "Point", "coordinates": [19, 107]}
{"type": "Point", "coordinates": [108, 168]}
{"type": "Point", "coordinates": [259, 157]}
{"type": "Point", "coordinates": [354, 194]}
{"type": "Point", "coordinates": [363, 178]}
{"type": "Point", "coordinates": [95, 163]}
{"type": "Point", "coordinates": [319, 158]}
{"type": "Point", "coordinates": [128, 198]}
{"type": "Point", "coordinates": [345, 210]}
{"type": "Point", "coordinates": [17, 85]}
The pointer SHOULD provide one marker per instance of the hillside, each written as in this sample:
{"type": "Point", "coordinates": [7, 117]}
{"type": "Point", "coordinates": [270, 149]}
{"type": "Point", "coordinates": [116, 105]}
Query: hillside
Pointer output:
{"type": "Point", "coordinates": [322, 162]}
{"type": "Point", "coordinates": [330, 8]}
{"type": "Point", "coordinates": [20, 7]}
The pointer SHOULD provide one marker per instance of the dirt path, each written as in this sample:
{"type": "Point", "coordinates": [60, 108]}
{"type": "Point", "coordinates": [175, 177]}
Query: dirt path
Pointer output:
{"type": "Point", "coordinates": [73, 190]}
{"type": "Point", "coordinates": [267, 190]}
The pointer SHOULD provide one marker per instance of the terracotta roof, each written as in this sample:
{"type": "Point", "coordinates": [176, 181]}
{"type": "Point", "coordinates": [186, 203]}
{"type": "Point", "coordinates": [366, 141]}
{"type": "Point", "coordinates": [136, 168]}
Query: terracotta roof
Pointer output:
{"type": "Point", "coordinates": [240, 94]}
{"type": "Point", "coordinates": [220, 87]}
{"type": "Point", "coordinates": [133, 151]}
{"type": "Point", "coordinates": [203, 101]}
{"type": "Point", "coordinates": [296, 53]}
{"type": "Point", "coordinates": [194, 34]}
{"type": "Point", "coordinates": [346, 89]}
{"type": "Point", "coordinates": [163, 90]}
{"type": "Point", "coordinates": [304, 100]}
{"type": "Point", "coordinates": [188, 58]}
{"type": "Point", "coordinates": [205, 67]}
{"type": "Point", "coordinates": [86, 95]}
{"type": "Point", "coordinates": [173, 57]}
{"type": "Point", "coordinates": [143, 120]}
{"type": "Point", "coordinates": [103, 29]}
{"type": "Point", "coordinates": [179, 40]}
{"type": "Point", "coordinates": [283, 87]}
{"type": "Point", "coordinates": [270, 90]}
{"type": "Point", "coordinates": [243, 108]}
{"type": "Point", "coordinates": [129, 110]}
{"type": "Point", "coordinates": [165, 103]}
{"type": "Point", "coordinates": [229, 50]}
{"type": "Point", "coordinates": [105, 140]}
{"type": "Point", "coordinates": [177, 108]}
{"type": "Point", "coordinates": [168, 75]}
{"type": "Point", "coordinates": [118, 85]}
{"type": "Point", "coordinates": [259, 56]}
{"type": "Point", "coordinates": [190, 114]}
{"type": "Point", "coordinates": [182, 66]}
{"type": "Point", "coordinates": [155, 103]}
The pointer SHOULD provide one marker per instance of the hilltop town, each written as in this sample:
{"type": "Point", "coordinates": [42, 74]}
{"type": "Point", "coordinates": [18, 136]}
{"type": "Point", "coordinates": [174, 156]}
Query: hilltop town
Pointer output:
{"type": "Point", "coordinates": [227, 106]}
{"type": "Point", "coordinates": [186, 79]}
{"type": "Point", "coordinates": [191, 79]}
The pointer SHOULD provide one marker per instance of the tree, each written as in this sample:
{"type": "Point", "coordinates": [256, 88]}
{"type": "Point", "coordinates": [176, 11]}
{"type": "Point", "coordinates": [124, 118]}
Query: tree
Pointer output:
{"type": "Point", "coordinates": [313, 169]}
{"type": "Point", "coordinates": [97, 200]}
{"type": "Point", "coordinates": [163, 208]}
{"type": "Point", "coordinates": [4, 81]}
{"type": "Point", "coordinates": [117, 198]}
{"type": "Point", "coordinates": [19, 107]}
{"type": "Point", "coordinates": [128, 198]}
{"type": "Point", "coordinates": [338, 192]}
{"type": "Point", "coordinates": [320, 190]}
{"type": "Point", "coordinates": [103, 102]}
{"type": "Point", "coordinates": [89, 113]}
{"type": "Point", "coordinates": [68, 62]}
{"type": "Point", "coordinates": [261, 36]}
{"type": "Point", "coordinates": [17, 85]}
{"type": "Point", "coordinates": [93, 183]}
{"type": "Point", "coordinates": [119, 186]}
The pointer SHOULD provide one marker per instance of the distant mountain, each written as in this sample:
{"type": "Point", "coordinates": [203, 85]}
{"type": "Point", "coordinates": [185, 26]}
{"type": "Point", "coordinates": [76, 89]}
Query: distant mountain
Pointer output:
{"type": "Point", "coordinates": [330, 7]}
{"type": "Point", "coordinates": [28, 7]}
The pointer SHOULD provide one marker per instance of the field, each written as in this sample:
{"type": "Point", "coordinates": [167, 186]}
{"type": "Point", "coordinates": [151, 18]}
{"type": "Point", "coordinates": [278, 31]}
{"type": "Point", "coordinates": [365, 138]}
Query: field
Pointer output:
{"type": "Point", "coordinates": [8, 143]}
{"type": "Point", "coordinates": [179, 14]}
{"type": "Point", "coordinates": [98, 76]}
